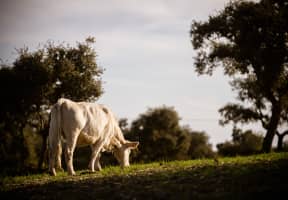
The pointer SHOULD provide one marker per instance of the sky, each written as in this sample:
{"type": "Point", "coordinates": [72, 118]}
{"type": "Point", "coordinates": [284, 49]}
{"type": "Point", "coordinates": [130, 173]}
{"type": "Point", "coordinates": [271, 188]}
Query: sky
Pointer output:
{"type": "Point", "coordinates": [144, 47]}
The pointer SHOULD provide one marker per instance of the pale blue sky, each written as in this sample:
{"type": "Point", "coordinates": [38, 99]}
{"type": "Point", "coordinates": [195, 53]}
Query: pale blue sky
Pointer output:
{"type": "Point", "coordinates": [144, 47]}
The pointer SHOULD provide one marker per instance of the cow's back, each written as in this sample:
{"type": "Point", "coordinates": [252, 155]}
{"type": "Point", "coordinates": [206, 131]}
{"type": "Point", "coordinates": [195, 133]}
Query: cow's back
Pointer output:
{"type": "Point", "coordinates": [72, 116]}
{"type": "Point", "coordinates": [87, 119]}
{"type": "Point", "coordinates": [96, 117]}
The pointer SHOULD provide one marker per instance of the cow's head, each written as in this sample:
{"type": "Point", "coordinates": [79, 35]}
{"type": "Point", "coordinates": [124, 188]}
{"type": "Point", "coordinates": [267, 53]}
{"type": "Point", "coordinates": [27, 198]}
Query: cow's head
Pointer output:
{"type": "Point", "coordinates": [122, 152]}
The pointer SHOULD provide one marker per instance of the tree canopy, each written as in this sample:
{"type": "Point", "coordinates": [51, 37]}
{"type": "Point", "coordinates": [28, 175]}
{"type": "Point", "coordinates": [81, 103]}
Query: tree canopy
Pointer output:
{"type": "Point", "coordinates": [249, 41]}
{"type": "Point", "coordinates": [162, 137]}
{"type": "Point", "coordinates": [37, 79]}
{"type": "Point", "coordinates": [243, 143]}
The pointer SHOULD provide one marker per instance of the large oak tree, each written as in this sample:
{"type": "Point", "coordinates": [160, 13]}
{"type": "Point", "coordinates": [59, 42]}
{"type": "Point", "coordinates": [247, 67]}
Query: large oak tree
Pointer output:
{"type": "Point", "coordinates": [249, 40]}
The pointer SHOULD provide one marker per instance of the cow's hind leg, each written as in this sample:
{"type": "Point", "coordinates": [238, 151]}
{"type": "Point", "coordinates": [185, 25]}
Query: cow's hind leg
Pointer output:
{"type": "Point", "coordinates": [69, 151]}
{"type": "Point", "coordinates": [53, 156]}
{"type": "Point", "coordinates": [52, 162]}
{"type": "Point", "coordinates": [58, 157]}
{"type": "Point", "coordinates": [96, 150]}
{"type": "Point", "coordinates": [97, 162]}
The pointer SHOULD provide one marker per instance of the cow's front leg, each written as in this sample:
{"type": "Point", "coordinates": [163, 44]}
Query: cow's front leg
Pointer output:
{"type": "Point", "coordinates": [96, 149]}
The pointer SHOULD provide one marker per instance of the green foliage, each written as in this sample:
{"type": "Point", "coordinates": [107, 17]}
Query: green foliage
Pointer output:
{"type": "Point", "coordinates": [249, 40]}
{"type": "Point", "coordinates": [157, 132]}
{"type": "Point", "coordinates": [199, 146]}
{"type": "Point", "coordinates": [75, 72]}
{"type": "Point", "coordinates": [162, 138]}
{"type": "Point", "coordinates": [36, 80]}
{"type": "Point", "coordinates": [243, 143]}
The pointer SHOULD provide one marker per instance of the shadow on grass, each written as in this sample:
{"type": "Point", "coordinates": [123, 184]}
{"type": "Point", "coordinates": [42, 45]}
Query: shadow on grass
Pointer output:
{"type": "Point", "coordinates": [260, 180]}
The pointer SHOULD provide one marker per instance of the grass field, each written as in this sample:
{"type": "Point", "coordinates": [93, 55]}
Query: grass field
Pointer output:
{"type": "Point", "coordinates": [263, 176]}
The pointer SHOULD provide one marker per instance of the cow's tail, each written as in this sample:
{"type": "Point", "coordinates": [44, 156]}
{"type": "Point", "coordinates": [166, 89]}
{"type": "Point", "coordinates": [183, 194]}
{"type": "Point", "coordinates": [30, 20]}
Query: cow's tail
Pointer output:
{"type": "Point", "coordinates": [54, 139]}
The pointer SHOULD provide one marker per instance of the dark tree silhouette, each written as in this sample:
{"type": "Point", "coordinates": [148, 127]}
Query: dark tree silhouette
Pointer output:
{"type": "Point", "coordinates": [243, 143]}
{"type": "Point", "coordinates": [249, 40]}
{"type": "Point", "coordinates": [162, 138]}
{"type": "Point", "coordinates": [37, 79]}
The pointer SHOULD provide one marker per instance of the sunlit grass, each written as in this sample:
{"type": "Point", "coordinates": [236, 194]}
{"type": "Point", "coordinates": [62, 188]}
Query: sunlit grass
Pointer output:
{"type": "Point", "coordinates": [144, 169]}
{"type": "Point", "coordinates": [241, 177]}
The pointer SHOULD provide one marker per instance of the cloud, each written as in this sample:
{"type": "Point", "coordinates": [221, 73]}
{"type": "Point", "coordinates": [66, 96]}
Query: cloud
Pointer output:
{"type": "Point", "coordinates": [36, 16]}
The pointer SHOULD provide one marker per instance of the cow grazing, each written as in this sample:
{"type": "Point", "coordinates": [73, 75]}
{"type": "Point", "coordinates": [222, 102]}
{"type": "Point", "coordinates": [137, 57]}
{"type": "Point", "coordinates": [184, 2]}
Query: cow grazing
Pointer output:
{"type": "Point", "coordinates": [80, 124]}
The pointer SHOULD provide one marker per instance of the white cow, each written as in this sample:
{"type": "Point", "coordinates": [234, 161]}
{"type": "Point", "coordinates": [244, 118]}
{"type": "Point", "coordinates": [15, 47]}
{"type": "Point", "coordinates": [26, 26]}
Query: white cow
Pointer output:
{"type": "Point", "coordinates": [83, 123]}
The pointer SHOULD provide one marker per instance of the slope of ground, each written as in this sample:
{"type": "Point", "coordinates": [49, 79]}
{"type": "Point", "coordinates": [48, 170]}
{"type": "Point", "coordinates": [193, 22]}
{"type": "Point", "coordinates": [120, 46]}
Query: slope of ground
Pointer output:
{"type": "Point", "coordinates": [262, 176]}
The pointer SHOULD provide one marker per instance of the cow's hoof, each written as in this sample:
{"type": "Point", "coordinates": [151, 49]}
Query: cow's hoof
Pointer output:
{"type": "Point", "coordinates": [72, 173]}
{"type": "Point", "coordinates": [52, 173]}
{"type": "Point", "coordinates": [98, 169]}
{"type": "Point", "coordinates": [60, 169]}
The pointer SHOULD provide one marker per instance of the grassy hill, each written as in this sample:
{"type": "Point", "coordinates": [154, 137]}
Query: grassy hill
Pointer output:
{"type": "Point", "coordinates": [263, 176]}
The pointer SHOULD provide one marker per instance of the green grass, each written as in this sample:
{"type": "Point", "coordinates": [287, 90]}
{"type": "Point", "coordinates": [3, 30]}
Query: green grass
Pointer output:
{"type": "Point", "coordinates": [251, 177]}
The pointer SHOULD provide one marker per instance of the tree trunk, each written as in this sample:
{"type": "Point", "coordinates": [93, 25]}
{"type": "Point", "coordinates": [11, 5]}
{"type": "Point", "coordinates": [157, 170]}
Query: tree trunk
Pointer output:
{"type": "Point", "coordinates": [280, 140]}
{"type": "Point", "coordinates": [272, 128]}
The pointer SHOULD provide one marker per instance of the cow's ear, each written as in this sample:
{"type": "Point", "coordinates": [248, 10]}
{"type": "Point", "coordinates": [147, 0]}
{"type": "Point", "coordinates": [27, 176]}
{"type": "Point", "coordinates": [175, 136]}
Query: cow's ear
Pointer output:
{"type": "Point", "coordinates": [132, 145]}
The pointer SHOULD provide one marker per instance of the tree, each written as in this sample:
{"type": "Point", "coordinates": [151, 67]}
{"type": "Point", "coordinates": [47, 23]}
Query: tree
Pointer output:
{"type": "Point", "coordinates": [199, 146]}
{"type": "Point", "coordinates": [249, 40]}
{"type": "Point", "coordinates": [157, 131]}
{"type": "Point", "coordinates": [162, 138]}
{"type": "Point", "coordinates": [243, 143]}
{"type": "Point", "coordinates": [123, 124]}
{"type": "Point", "coordinates": [76, 74]}
{"type": "Point", "coordinates": [280, 144]}
{"type": "Point", "coordinates": [39, 78]}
